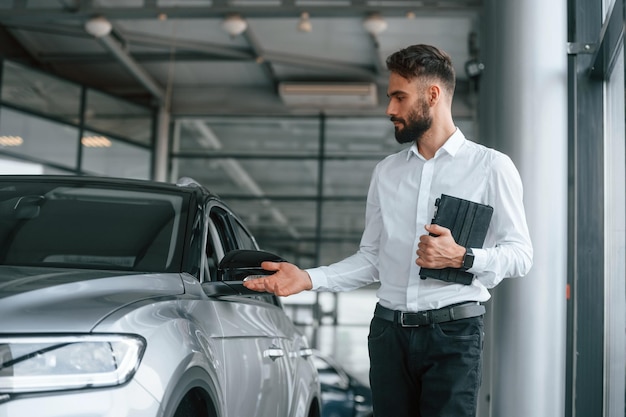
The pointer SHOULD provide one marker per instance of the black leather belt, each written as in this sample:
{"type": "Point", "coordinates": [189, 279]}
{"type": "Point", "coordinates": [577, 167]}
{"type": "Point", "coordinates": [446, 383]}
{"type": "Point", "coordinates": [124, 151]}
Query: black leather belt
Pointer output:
{"type": "Point", "coordinates": [423, 318]}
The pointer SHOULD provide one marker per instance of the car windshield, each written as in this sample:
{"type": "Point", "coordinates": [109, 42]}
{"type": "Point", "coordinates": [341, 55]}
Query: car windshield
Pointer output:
{"type": "Point", "coordinates": [82, 225]}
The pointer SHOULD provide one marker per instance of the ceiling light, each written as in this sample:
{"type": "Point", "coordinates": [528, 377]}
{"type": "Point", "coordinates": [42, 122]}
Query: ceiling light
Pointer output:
{"type": "Point", "coordinates": [234, 25]}
{"type": "Point", "coordinates": [304, 25]}
{"type": "Point", "coordinates": [375, 24]}
{"type": "Point", "coordinates": [11, 141]}
{"type": "Point", "coordinates": [98, 26]}
{"type": "Point", "coordinates": [95, 142]}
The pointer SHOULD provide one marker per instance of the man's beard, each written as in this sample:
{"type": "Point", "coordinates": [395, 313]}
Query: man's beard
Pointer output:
{"type": "Point", "coordinates": [416, 125]}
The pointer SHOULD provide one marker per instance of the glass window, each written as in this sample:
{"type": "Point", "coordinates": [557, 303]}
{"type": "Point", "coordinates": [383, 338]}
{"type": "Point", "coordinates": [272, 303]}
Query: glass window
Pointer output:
{"type": "Point", "coordinates": [41, 93]}
{"type": "Point", "coordinates": [14, 166]}
{"type": "Point", "coordinates": [103, 155]}
{"type": "Point", "coordinates": [284, 227]}
{"type": "Point", "coordinates": [118, 117]}
{"type": "Point", "coordinates": [343, 223]}
{"type": "Point", "coordinates": [74, 224]}
{"type": "Point", "coordinates": [243, 237]}
{"type": "Point", "coordinates": [10, 166]}
{"type": "Point", "coordinates": [251, 135]}
{"type": "Point", "coordinates": [276, 219]}
{"type": "Point", "coordinates": [343, 219]}
{"type": "Point", "coordinates": [268, 171]}
{"type": "Point", "coordinates": [348, 177]}
{"type": "Point", "coordinates": [37, 138]}
{"type": "Point", "coordinates": [358, 136]}
{"type": "Point", "coordinates": [251, 177]}
{"type": "Point", "coordinates": [219, 218]}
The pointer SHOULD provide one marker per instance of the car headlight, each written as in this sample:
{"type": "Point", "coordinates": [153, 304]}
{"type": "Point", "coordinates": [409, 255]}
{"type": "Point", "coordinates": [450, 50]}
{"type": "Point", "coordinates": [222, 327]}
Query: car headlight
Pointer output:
{"type": "Point", "coordinates": [49, 363]}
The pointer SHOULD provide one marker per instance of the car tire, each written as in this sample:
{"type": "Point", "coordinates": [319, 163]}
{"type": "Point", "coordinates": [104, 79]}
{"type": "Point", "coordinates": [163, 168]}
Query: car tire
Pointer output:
{"type": "Point", "coordinates": [194, 404]}
{"type": "Point", "coordinates": [193, 396]}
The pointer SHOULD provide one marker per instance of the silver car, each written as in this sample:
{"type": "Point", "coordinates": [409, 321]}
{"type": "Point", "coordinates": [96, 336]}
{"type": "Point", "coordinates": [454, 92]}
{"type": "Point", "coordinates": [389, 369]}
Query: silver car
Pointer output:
{"type": "Point", "coordinates": [124, 298]}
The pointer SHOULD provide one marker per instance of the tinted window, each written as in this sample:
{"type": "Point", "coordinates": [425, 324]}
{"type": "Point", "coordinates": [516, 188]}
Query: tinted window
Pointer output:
{"type": "Point", "coordinates": [243, 237]}
{"type": "Point", "coordinates": [91, 226]}
{"type": "Point", "coordinates": [227, 239]}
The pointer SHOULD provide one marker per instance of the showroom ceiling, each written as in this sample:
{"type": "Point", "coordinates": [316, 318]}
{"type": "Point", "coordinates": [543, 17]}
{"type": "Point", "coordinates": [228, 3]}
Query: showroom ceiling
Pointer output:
{"type": "Point", "coordinates": [178, 53]}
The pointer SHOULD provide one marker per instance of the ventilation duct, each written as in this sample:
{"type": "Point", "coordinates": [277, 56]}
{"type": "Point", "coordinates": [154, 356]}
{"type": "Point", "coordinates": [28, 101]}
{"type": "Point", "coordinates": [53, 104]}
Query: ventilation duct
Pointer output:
{"type": "Point", "coordinates": [318, 95]}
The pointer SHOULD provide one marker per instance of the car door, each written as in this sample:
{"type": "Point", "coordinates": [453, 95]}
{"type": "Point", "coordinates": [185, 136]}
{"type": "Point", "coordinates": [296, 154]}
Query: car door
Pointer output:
{"type": "Point", "coordinates": [294, 342]}
{"type": "Point", "coordinates": [257, 376]}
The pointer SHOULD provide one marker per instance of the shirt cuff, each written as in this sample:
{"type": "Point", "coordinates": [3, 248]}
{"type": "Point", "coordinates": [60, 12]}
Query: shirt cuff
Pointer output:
{"type": "Point", "coordinates": [318, 278]}
{"type": "Point", "coordinates": [480, 260]}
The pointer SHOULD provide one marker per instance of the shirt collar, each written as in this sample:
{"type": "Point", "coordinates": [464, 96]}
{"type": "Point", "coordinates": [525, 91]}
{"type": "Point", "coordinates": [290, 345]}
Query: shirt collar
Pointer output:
{"type": "Point", "coordinates": [451, 146]}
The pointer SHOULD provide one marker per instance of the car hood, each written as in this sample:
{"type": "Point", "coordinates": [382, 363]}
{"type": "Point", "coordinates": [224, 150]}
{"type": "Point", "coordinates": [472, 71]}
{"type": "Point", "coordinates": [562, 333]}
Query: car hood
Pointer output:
{"type": "Point", "coordinates": [53, 300]}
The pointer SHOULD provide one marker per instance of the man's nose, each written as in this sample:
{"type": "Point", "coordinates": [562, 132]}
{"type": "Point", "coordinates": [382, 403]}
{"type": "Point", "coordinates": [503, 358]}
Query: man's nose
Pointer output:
{"type": "Point", "coordinates": [390, 109]}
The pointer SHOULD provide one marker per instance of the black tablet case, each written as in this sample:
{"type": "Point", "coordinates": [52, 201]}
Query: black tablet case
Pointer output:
{"type": "Point", "coordinates": [468, 221]}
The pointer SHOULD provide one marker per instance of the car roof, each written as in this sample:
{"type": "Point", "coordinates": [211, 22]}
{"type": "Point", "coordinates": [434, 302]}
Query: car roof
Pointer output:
{"type": "Point", "coordinates": [185, 185]}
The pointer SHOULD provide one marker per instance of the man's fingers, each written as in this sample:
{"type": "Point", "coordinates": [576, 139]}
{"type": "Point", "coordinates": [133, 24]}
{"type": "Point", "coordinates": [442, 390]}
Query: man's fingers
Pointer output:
{"type": "Point", "coordinates": [271, 266]}
{"type": "Point", "coordinates": [287, 279]}
{"type": "Point", "coordinates": [264, 284]}
{"type": "Point", "coordinates": [254, 284]}
{"type": "Point", "coordinates": [435, 229]}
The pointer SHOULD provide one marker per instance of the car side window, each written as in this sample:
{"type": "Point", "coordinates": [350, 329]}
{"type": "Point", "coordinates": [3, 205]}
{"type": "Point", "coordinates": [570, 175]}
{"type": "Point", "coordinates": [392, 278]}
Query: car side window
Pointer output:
{"type": "Point", "coordinates": [213, 252]}
{"type": "Point", "coordinates": [231, 235]}
{"type": "Point", "coordinates": [228, 240]}
{"type": "Point", "coordinates": [246, 241]}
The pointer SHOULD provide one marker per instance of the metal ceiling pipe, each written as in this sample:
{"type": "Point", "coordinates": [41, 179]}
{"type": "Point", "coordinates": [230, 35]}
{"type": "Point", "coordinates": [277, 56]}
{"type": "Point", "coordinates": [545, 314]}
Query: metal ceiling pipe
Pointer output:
{"type": "Point", "coordinates": [101, 28]}
{"type": "Point", "coordinates": [135, 69]}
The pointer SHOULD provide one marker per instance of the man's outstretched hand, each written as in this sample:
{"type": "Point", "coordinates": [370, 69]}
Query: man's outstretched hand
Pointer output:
{"type": "Point", "coordinates": [287, 280]}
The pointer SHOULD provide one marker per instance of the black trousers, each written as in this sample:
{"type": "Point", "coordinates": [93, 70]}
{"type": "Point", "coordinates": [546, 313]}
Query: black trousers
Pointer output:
{"type": "Point", "coordinates": [427, 371]}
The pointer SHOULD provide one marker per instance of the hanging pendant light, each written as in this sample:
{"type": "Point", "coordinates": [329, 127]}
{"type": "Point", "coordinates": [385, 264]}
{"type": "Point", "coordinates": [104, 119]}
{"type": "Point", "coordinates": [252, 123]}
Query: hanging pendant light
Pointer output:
{"type": "Point", "coordinates": [234, 25]}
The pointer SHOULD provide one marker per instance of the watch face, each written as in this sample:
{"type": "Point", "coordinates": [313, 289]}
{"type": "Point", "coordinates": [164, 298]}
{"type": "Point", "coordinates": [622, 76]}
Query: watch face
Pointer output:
{"type": "Point", "coordinates": [468, 260]}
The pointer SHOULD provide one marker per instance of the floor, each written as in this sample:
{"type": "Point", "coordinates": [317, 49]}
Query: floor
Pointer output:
{"type": "Point", "coordinates": [342, 336]}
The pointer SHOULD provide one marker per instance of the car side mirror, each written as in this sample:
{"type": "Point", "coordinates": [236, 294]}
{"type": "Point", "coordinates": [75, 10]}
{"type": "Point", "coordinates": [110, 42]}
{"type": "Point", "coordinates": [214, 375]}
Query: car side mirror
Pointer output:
{"type": "Point", "coordinates": [240, 264]}
{"type": "Point", "coordinates": [236, 266]}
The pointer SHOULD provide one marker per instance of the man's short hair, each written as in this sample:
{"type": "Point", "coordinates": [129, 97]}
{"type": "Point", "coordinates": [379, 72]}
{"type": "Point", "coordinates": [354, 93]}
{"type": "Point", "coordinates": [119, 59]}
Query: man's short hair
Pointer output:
{"type": "Point", "coordinates": [423, 61]}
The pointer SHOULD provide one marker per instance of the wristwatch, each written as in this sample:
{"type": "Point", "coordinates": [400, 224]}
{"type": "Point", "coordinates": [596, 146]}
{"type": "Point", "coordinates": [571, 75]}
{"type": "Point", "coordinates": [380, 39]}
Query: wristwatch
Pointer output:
{"type": "Point", "coordinates": [468, 259]}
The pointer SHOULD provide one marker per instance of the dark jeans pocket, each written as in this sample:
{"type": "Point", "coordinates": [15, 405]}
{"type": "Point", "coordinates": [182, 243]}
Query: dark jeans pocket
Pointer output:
{"type": "Point", "coordinates": [461, 330]}
{"type": "Point", "coordinates": [378, 327]}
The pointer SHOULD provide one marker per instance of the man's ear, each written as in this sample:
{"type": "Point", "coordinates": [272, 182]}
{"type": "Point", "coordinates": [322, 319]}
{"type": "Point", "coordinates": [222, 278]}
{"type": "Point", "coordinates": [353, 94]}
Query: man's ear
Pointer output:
{"type": "Point", "coordinates": [434, 94]}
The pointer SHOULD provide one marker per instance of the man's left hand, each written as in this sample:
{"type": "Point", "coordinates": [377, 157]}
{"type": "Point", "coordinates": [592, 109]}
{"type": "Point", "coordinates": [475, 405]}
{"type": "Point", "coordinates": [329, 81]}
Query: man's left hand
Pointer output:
{"type": "Point", "coordinates": [439, 251]}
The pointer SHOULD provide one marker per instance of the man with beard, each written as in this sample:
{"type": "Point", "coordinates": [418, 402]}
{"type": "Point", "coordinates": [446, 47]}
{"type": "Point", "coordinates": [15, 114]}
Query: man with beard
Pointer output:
{"type": "Point", "coordinates": [426, 336]}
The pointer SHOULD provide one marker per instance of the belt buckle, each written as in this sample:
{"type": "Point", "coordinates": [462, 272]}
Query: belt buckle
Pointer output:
{"type": "Point", "coordinates": [418, 319]}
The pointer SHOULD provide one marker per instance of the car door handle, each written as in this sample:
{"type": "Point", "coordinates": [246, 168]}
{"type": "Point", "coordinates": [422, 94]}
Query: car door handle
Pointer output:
{"type": "Point", "coordinates": [273, 353]}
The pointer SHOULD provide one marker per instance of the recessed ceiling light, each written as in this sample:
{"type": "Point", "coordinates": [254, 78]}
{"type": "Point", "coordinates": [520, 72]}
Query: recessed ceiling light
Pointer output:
{"type": "Point", "coordinates": [11, 141]}
{"type": "Point", "coordinates": [95, 142]}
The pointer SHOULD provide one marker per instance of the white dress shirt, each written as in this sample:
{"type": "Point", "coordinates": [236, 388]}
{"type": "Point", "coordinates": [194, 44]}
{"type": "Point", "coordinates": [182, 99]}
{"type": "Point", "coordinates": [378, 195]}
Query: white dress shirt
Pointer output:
{"type": "Point", "coordinates": [401, 201]}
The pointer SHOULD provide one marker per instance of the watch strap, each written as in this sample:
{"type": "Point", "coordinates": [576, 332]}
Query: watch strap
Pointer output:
{"type": "Point", "coordinates": [468, 259]}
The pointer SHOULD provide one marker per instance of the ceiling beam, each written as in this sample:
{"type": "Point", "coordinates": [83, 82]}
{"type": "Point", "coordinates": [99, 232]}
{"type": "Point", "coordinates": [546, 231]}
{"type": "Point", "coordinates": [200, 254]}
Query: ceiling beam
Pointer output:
{"type": "Point", "coordinates": [149, 10]}
{"type": "Point", "coordinates": [203, 51]}
{"type": "Point", "coordinates": [12, 49]}
{"type": "Point", "coordinates": [133, 67]}
{"type": "Point", "coordinates": [259, 52]}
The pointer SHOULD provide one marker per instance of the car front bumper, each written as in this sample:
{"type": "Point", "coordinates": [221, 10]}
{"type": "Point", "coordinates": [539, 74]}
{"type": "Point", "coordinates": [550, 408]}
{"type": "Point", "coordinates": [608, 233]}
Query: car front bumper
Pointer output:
{"type": "Point", "coordinates": [130, 399]}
